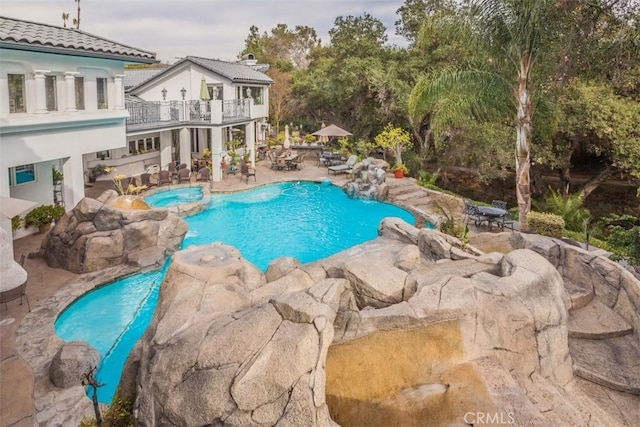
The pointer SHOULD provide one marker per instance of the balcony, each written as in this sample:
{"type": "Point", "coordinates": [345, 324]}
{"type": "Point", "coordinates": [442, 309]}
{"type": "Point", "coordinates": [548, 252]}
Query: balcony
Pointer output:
{"type": "Point", "coordinates": [151, 114]}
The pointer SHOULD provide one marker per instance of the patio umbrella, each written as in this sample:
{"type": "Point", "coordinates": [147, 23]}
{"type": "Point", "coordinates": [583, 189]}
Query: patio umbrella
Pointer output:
{"type": "Point", "coordinates": [10, 206]}
{"type": "Point", "coordinates": [323, 139]}
{"type": "Point", "coordinates": [204, 90]}
{"type": "Point", "coordinates": [332, 130]}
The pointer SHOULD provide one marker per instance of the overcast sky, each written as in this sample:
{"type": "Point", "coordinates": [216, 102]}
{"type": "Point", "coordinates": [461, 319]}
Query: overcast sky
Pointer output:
{"type": "Point", "coordinates": [207, 28]}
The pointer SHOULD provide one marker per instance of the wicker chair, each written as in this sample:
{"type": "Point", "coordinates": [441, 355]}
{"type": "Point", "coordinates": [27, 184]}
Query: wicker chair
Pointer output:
{"type": "Point", "coordinates": [15, 293]}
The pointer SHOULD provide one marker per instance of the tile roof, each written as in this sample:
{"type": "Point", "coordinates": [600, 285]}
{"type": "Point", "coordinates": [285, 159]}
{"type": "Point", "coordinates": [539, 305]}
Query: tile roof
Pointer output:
{"type": "Point", "coordinates": [236, 72]}
{"type": "Point", "coordinates": [26, 35]}
{"type": "Point", "coordinates": [135, 76]}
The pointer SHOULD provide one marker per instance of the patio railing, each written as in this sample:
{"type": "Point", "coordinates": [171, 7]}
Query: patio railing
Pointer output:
{"type": "Point", "coordinates": [192, 111]}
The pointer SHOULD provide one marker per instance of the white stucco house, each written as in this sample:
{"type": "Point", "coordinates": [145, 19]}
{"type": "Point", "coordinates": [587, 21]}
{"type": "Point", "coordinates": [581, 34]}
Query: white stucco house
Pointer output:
{"type": "Point", "coordinates": [62, 98]}
{"type": "Point", "coordinates": [177, 111]}
{"type": "Point", "coordinates": [69, 102]}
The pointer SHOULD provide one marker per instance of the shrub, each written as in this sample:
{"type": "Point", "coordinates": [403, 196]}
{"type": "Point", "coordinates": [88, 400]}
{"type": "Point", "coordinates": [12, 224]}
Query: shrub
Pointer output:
{"type": "Point", "coordinates": [546, 224]}
{"type": "Point", "coordinates": [569, 208]}
{"type": "Point", "coordinates": [16, 221]}
{"type": "Point", "coordinates": [43, 215]}
{"type": "Point", "coordinates": [427, 179]}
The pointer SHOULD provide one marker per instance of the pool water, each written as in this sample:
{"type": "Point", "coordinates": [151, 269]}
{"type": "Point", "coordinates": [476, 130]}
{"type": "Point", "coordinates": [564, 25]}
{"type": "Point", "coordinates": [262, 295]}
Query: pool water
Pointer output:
{"type": "Point", "coordinates": [307, 221]}
{"type": "Point", "coordinates": [174, 197]}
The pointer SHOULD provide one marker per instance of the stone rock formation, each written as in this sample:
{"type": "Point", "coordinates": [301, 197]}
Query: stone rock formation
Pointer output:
{"type": "Point", "coordinates": [390, 332]}
{"type": "Point", "coordinates": [97, 234]}
{"type": "Point", "coordinates": [71, 362]}
{"type": "Point", "coordinates": [368, 180]}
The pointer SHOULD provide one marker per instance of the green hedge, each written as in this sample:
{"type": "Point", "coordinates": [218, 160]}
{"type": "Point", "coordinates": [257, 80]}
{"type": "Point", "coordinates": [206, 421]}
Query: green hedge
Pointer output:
{"type": "Point", "coordinates": [546, 224]}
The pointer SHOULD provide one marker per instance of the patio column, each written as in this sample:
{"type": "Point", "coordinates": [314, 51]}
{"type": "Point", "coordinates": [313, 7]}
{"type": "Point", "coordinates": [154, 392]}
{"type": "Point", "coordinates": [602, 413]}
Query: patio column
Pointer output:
{"type": "Point", "coordinates": [250, 136]}
{"type": "Point", "coordinates": [70, 90]}
{"type": "Point", "coordinates": [118, 80]}
{"type": "Point", "coordinates": [185, 147]}
{"type": "Point", "coordinates": [216, 154]}
{"type": "Point", "coordinates": [41, 91]}
{"type": "Point", "coordinates": [165, 148]}
{"type": "Point", "coordinates": [73, 184]}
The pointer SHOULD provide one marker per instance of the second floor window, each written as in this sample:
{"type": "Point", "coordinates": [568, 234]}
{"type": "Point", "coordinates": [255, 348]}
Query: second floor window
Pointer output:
{"type": "Point", "coordinates": [80, 93]}
{"type": "Point", "coordinates": [16, 93]}
{"type": "Point", "coordinates": [102, 93]}
{"type": "Point", "coordinates": [50, 92]}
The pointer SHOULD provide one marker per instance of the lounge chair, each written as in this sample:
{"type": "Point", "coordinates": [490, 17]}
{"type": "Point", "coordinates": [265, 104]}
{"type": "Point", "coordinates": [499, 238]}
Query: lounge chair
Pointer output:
{"type": "Point", "coordinates": [184, 175]}
{"type": "Point", "coordinates": [246, 171]}
{"type": "Point", "coordinates": [203, 175]}
{"type": "Point", "coordinates": [164, 177]}
{"type": "Point", "coordinates": [345, 167]}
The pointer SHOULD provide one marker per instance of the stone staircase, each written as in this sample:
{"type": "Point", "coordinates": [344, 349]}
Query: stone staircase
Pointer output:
{"type": "Point", "coordinates": [408, 194]}
{"type": "Point", "coordinates": [602, 343]}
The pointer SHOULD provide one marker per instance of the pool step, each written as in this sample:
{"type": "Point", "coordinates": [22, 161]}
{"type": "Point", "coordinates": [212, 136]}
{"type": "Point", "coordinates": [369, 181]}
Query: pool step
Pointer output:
{"type": "Point", "coordinates": [596, 321]}
{"type": "Point", "coordinates": [611, 362]}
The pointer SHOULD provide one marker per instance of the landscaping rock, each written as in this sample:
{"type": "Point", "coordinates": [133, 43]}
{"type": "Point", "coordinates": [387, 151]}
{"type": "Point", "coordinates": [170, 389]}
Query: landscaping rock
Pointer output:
{"type": "Point", "coordinates": [71, 363]}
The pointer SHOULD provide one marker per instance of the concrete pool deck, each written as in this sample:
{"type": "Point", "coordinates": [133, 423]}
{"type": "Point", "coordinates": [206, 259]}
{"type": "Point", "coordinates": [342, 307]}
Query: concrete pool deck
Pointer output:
{"type": "Point", "coordinates": [17, 408]}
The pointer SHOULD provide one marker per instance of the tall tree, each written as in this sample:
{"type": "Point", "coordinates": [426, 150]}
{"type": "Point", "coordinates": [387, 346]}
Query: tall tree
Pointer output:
{"type": "Point", "coordinates": [76, 20]}
{"type": "Point", "coordinates": [513, 33]}
{"type": "Point", "coordinates": [413, 13]}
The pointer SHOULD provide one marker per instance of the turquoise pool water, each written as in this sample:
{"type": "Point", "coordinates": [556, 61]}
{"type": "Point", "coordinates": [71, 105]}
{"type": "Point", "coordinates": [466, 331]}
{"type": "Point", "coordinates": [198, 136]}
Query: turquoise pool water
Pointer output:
{"type": "Point", "coordinates": [174, 197]}
{"type": "Point", "coordinates": [308, 221]}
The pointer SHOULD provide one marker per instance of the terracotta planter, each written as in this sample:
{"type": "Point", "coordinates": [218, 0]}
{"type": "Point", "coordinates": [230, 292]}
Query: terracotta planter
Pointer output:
{"type": "Point", "coordinates": [399, 173]}
{"type": "Point", "coordinates": [44, 228]}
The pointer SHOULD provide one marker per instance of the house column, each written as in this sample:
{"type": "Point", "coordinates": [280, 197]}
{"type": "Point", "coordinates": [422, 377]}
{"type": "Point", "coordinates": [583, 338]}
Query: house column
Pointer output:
{"type": "Point", "coordinates": [185, 146]}
{"type": "Point", "coordinates": [217, 151]}
{"type": "Point", "coordinates": [165, 148]}
{"type": "Point", "coordinates": [73, 183]}
{"type": "Point", "coordinates": [70, 86]}
{"type": "Point", "coordinates": [41, 91]}
{"type": "Point", "coordinates": [118, 80]}
{"type": "Point", "coordinates": [250, 136]}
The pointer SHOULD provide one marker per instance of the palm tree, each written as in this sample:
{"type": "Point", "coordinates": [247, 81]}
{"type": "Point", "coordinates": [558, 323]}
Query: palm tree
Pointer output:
{"type": "Point", "coordinates": [77, 20]}
{"type": "Point", "coordinates": [65, 18]}
{"type": "Point", "coordinates": [510, 35]}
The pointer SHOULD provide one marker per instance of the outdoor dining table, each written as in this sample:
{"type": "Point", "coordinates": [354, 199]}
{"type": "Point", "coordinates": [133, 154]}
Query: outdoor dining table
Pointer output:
{"type": "Point", "coordinates": [492, 213]}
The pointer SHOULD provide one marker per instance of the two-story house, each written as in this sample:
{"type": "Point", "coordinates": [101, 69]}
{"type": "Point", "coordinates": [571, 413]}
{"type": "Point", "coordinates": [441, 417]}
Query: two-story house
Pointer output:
{"type": "Point", "coordinates": [62, 99]}
{"type": "Point", "coordinates": [177, 112]}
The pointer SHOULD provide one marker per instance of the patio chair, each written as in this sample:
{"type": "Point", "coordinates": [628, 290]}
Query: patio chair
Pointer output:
{"type": "Point", "coordinates": [164, 177]}
{"type": "Point", "coordinates": [345, 167]}
{"type": "Point", "coordinates": [505, 221]}
{"type": "Point", "coordinates": [473, 214]}
{"type": "Point", "coordinates": [145, 179]}
{"type": "Point", "coordinates": [184, 175]}
{"type": "Point", "coordinates": [499, 204]}
{"type": "Point", "coordinates": [17, 292]}
{"type": "Point", "coordinates": [299, 162]}
{"type": "Point", "coordinates": [203, 175]}
{"type": "Point", "coordinates": [271, 155]}
{"type": "Point", "coordinates": [172, 168]}
{"type": "Point", "coordinates": [320, 159]}
{"type": "Point", "coordinates": [246, 171]}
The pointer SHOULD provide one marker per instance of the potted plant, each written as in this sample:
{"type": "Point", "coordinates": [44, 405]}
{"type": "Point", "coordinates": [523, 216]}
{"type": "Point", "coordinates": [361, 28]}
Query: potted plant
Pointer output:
{"type": "Point", "coordinates": [57, 175]}
{"type": "Point", "coordinates": [96, 171]}
{"type": "Point", "coordinates": [395, 139]}
{"type": "Point", "coordinates": [399, 170]}
{"type": "Point", "coordinates": [42, 216]}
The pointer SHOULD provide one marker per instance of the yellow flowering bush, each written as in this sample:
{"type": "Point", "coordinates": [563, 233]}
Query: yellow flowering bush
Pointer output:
{"type": "Point", "coordinates": [120, 180]}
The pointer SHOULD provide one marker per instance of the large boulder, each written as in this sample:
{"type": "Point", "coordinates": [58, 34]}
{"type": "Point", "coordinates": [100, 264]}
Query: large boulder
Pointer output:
{"type": "Point", "coordinates": [71, 363]}
{"type": "Point", "coordinates": [109, 231]}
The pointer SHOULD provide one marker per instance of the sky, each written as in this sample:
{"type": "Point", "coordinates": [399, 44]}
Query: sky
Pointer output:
{"type": "Point", "coordinates": [208, 28]}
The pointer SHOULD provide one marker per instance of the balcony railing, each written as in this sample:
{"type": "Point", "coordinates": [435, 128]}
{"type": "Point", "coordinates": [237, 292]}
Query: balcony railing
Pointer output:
{"type": "Point", "coordinates": [193, 111]}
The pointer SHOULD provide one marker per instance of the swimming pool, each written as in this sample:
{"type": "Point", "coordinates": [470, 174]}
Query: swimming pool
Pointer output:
{"type": "Point", "coordinates": [174, 197]}
{"type": "Point", "coordinates": [308, 221]}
